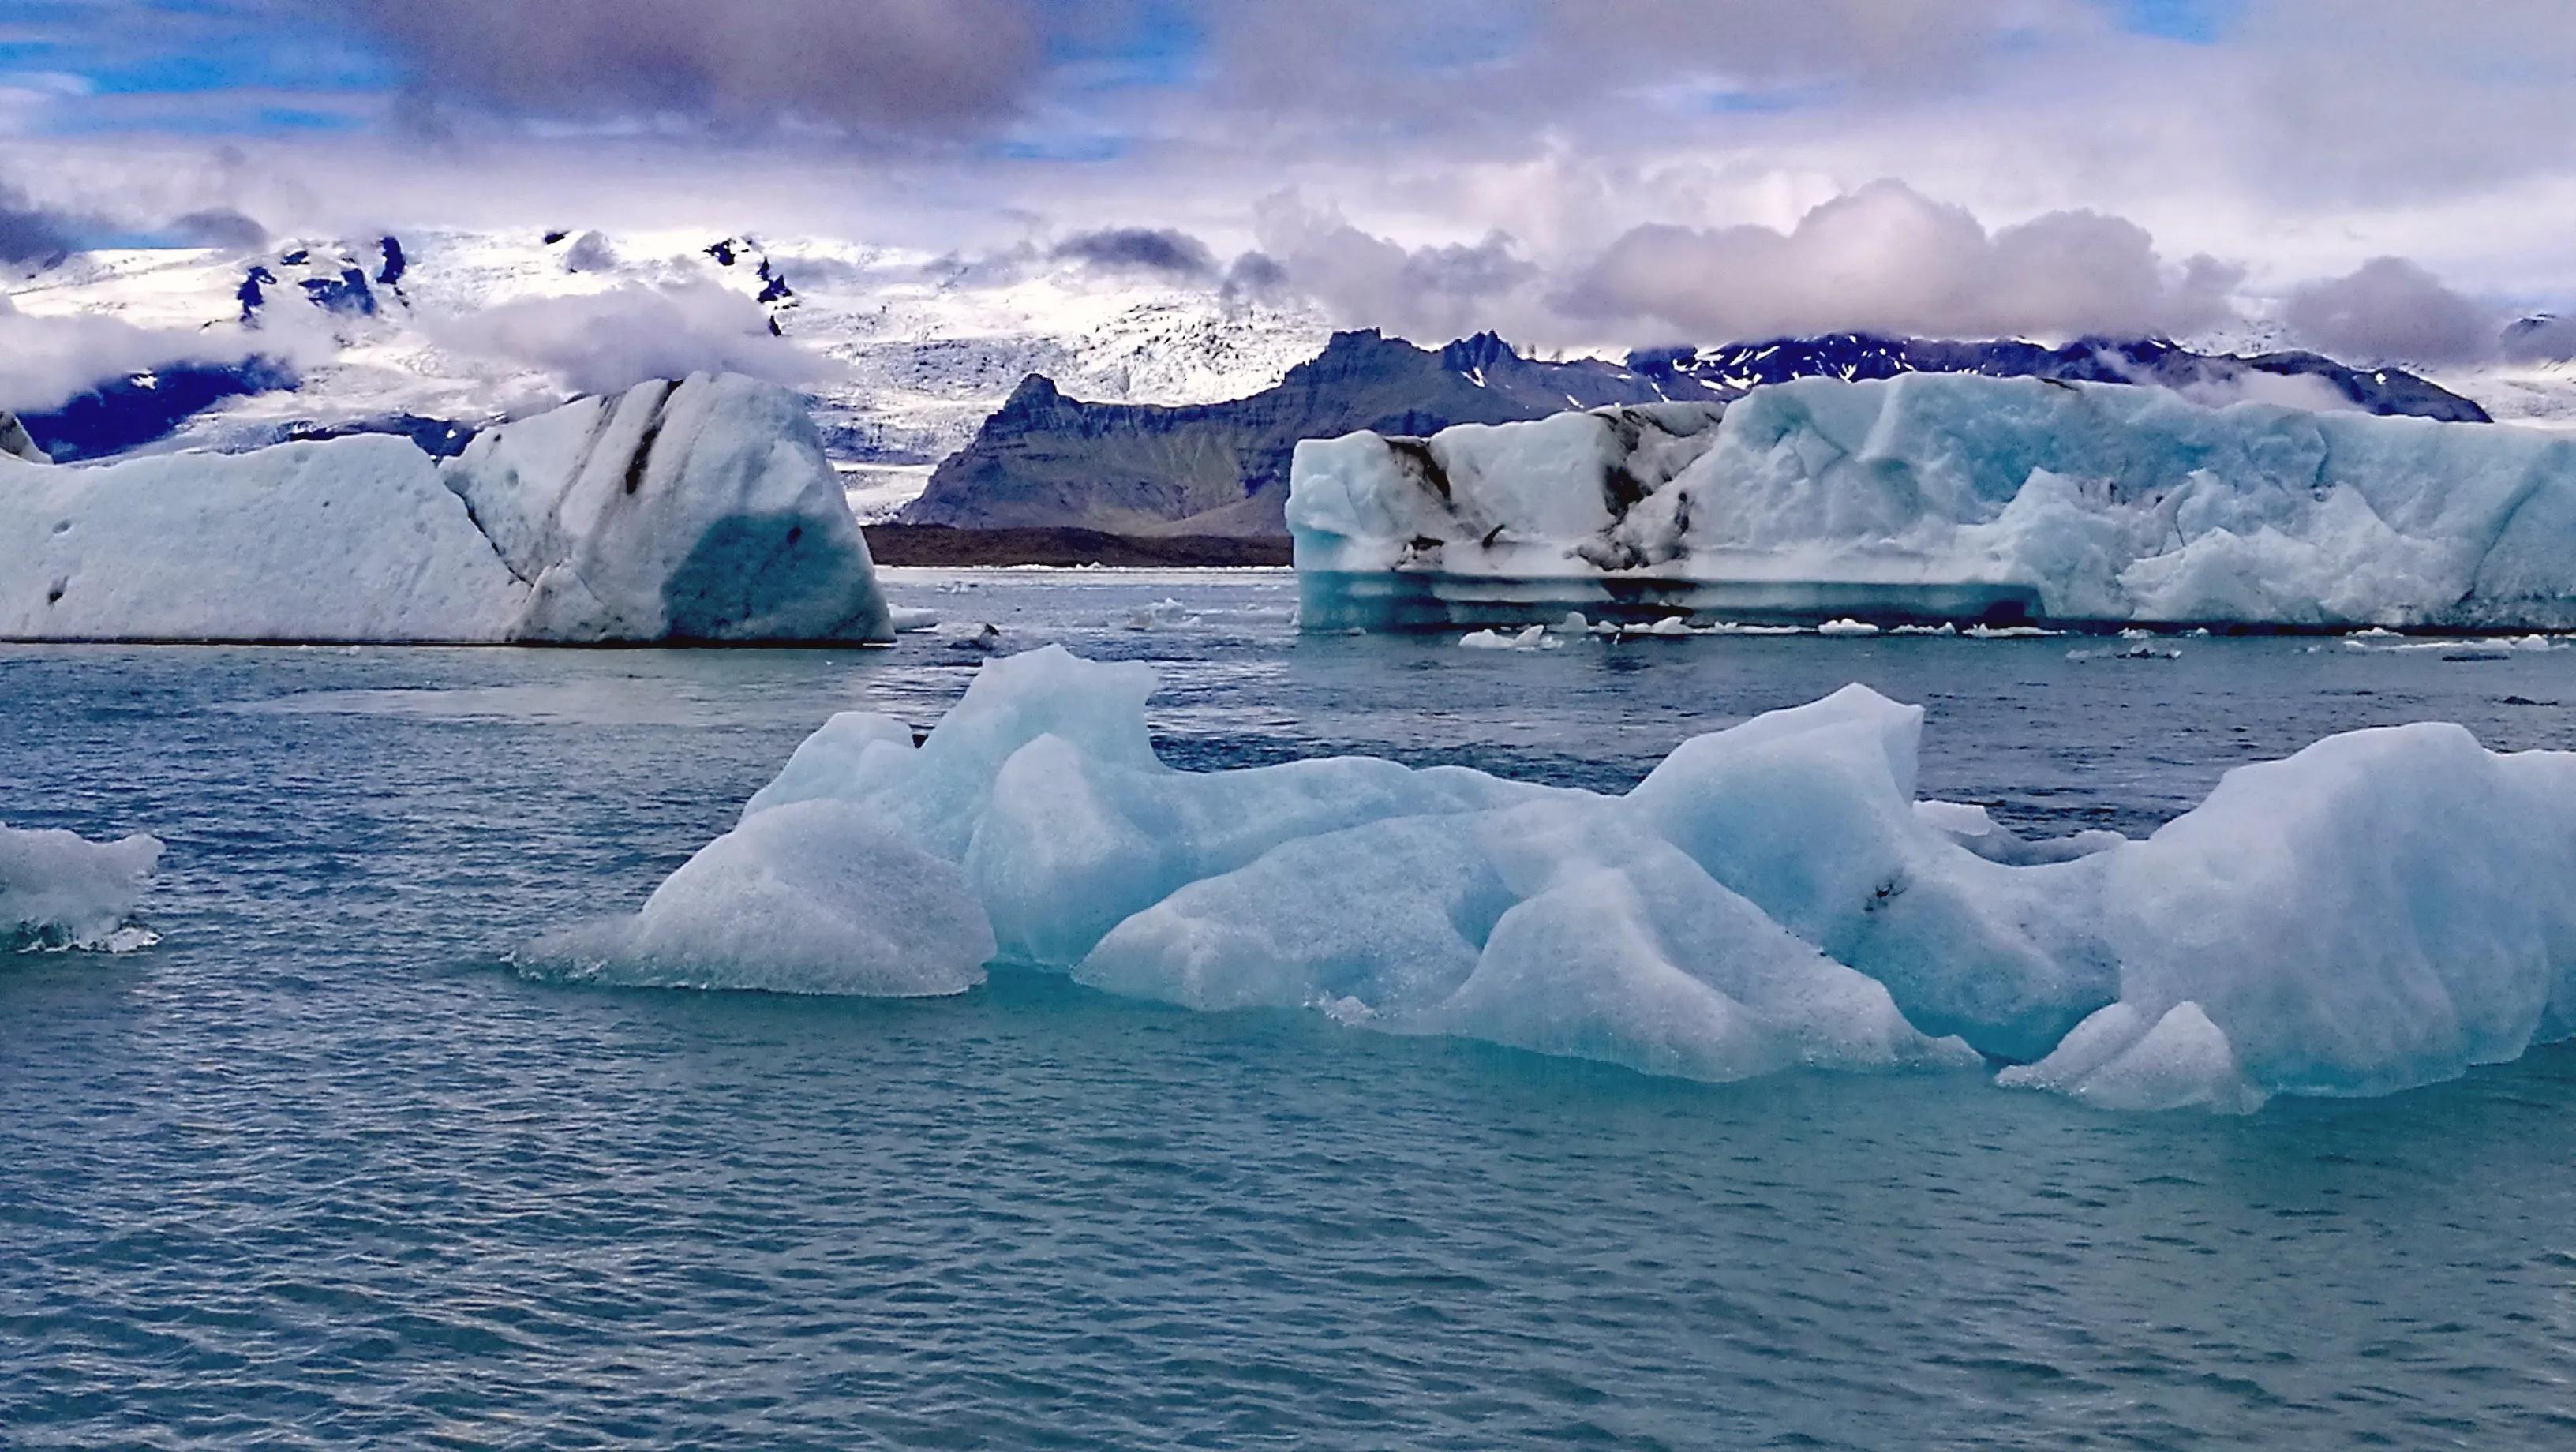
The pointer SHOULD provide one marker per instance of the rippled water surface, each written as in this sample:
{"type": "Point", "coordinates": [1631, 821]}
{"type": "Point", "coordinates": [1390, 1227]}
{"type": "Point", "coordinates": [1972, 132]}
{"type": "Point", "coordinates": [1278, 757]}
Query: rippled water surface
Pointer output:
{"type": "Point", "coordinates": [319, 1171]}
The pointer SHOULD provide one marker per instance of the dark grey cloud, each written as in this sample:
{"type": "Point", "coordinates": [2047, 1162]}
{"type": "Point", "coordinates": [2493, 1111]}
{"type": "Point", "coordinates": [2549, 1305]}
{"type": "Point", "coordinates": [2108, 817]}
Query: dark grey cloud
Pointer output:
{"type": "Point", "coordinates": [1256, 275]}
{"type": "Point", "coordinates": [220, 227]}
{"type": "Point", "coordinates": [30, 232]}
{"type": "Point", "coordinates": [609, 341]}
{"type": "Point", "coordinates": [892, 66]}
{"type": "Point", "coordinates": [1162, 251]}
{"type": "Point", "coordinates": [2391, 310]}
{"type": "Point", "coordinates": [1887, 259]}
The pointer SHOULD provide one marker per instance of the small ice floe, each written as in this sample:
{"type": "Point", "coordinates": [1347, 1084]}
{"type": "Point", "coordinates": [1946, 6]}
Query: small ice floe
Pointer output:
{"type": "Point", "coordinates": [1533, 638]}
{"type": "Point", "coordinates": [1847, 626]}
{"type": "Point", "coordinates": [59, 891]}
{"type": "Point", "coordinates": [1161, 615]}
{"type": "Point", "coordinates": [906, 618]}
{"type": "Point", "coordinates": [2136, 650]}
{"type": "Point", "coordinates": [2007, 632]}
{"type": "Point", "coordinates": [1671, 627]}
{"type": "Point", "coordinates": [1944, 628]}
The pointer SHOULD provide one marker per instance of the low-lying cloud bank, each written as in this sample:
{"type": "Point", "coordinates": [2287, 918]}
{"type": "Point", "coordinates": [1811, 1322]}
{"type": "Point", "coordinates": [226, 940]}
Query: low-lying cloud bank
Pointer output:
{"type": "Point", "coordinates": [610, 341]}
{"type": "Point", "coordinates": [47, 362]}
{"type": "Point", "coordinates": [1888, 259]}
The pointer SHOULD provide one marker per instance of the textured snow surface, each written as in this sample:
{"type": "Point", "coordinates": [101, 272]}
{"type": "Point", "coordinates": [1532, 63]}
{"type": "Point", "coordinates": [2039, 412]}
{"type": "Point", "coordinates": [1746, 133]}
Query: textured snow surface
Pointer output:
{"type": "Point", "coordinates": [60, 890]}
{"type": "Point", "coordinates": [1946, 496]}
{"type": "Point", "coordinates": [2380, 911]}
{"type": "Point", "coordinates": [702, 511]}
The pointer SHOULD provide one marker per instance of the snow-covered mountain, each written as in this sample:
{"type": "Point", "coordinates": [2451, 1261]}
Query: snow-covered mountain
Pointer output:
{"type": "Point", "coordinates": [903, 353]}
{"type": "Point", "coordinates": [911, 359]}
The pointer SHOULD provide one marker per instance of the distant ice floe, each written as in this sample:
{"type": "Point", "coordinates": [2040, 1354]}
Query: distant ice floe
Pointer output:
{"type": "Point", "coordinates": [2383, 910]}
{"type": "Point", "coordinates": [59, 890]}
{"type": "Point", "coordinates": [1932, 498]}
{"type": "Point", "coordinates": [1164, 614]}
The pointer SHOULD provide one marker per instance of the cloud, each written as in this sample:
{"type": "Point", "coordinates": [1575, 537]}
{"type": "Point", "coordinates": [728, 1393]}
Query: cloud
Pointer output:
{"type": "Point", "coordinates": [1165, 251]}
{"type": "Point", "coordinates": [2389, 310]}
{"type": "Point", "coordinates": [1430, 293]}
{"type": "Point", "coordinates": [1887, 259]}
{"type": "Point", "coordinates": [47, 361]}
{"type": "Point", "coordinates": [30, 232]}
{"type": "Point", "coordinates": [893, 66]}
{"type": "Point", "coordinates": [1256, 275]}
{"type": "Point", "coordinates": [220, 227]}
{"type": "Point", "coordinates": [609, 341]}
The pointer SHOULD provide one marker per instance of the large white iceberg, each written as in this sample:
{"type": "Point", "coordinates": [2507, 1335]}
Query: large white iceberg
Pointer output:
{"type": "Point", "coordinates": [2383, 910]}
{"type": "Point", "coordinates": [697, 511]}
{"type": "Point", "coordinates": [1943, 497]}
{"type": "Point", "coordinates": [61, 890]}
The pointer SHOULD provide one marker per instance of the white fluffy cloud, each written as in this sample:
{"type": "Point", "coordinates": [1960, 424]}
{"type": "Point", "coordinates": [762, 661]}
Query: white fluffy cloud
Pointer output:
{"type": "Point", "coordinates": [608, 341]}
{"type": "Point", "coordinates": [47, 361]}
{"type": "Point", "coordinates": [1887, 259]}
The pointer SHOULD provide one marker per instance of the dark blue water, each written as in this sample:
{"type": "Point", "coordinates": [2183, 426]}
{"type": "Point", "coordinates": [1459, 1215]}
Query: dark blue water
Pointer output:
{"type": "Point", "coordinates": [319, 1171]}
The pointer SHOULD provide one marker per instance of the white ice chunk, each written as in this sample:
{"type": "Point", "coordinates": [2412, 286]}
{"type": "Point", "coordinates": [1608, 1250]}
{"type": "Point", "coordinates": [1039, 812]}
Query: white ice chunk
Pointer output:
{"type": "Point", "coordinates": [2383, 910]}
{"type": "Point", "coordinates": [2116, 1060]}
{"type": "Point", "coordinates": [809, 898]}
{"type": "Point", "coordinates": [60, 890]}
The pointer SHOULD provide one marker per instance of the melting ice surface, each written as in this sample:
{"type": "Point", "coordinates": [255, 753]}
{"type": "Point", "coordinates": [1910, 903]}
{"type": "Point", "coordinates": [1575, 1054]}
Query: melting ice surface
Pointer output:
{"type": "Point", "coordinates": [2379, 911]}
{"type": "Point", "coordinates": [1933, 497]}
{"type": "Point", "coordinates": [61, 890]}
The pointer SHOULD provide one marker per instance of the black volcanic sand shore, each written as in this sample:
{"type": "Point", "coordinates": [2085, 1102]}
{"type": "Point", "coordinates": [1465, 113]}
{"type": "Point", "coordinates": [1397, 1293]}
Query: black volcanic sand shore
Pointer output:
{"type": "Point", "coordinates": [945, 545]}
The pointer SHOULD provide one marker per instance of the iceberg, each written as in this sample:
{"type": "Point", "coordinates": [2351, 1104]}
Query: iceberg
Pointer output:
{"type": "Point", "coordinates": [2380, 911]}
{"type": "Point", "coordinates": [60, 890]}
{"type": "Point", "coordinates": [698, 511]}
{"type": "Point", "coordinates": [1932, 498]}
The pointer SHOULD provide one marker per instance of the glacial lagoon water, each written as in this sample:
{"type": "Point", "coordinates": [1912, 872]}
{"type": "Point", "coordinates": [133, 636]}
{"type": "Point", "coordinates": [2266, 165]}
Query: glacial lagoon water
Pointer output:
{"type": "Point", "coordinates": [320, 1170]}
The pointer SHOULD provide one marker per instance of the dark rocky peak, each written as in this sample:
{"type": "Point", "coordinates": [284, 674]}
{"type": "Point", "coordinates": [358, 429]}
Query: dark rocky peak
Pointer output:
{"type": "Point", "coordinates": [1477, 354]}
{"type": "Point", "coordinates": [395, 264]}
{"type": "Point", "coordinates": [773, 285]}
{"type": "Point", "coordinates": [1037, 395]}
{"type": "Point", "coordinates": [250, 294]}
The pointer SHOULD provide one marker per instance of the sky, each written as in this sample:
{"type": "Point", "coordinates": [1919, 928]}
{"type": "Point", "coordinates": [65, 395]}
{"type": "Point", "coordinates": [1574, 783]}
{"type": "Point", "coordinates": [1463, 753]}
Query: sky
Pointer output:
{"type": "Point", "coordinates": [2384, 176]}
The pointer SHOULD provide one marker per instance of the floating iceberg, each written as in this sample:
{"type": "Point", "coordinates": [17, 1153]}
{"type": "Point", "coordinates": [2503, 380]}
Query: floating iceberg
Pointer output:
{"type": "Point", "coordinates": [1933, 497]}
{"type": "Point", "coordinates": [60, 890]}
{"type": "Point", "coordinates": [2382, 910]}
{"type": "Point", "coordinates": [812, 898]}
{"type": "Point", "coordinates": [697, 511]}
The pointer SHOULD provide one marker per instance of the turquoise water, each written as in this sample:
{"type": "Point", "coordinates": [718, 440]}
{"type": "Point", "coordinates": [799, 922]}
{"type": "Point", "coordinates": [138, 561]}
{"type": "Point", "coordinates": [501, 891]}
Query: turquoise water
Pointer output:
{"type": "Point", "coordinates": [318, 1170]}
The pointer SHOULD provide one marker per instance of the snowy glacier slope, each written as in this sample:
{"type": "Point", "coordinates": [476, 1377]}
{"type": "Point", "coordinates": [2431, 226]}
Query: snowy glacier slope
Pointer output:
{"type": "Point", "coordinates": [903, 353]}
{"type": "Point", "coordinates": [2377, 912]}
{"type": "Point", "coordinates": [700, 511]}
{"type": "Point", "coordinates": [1945, 497]}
